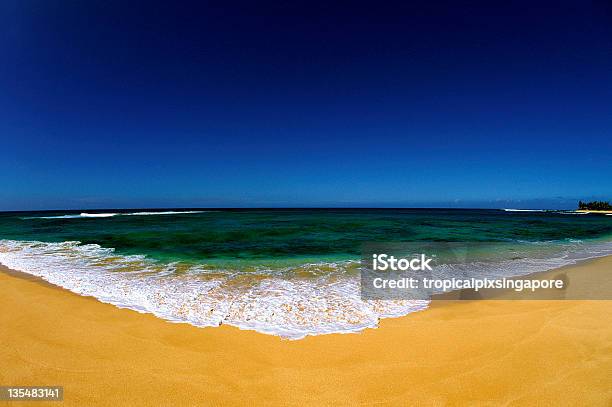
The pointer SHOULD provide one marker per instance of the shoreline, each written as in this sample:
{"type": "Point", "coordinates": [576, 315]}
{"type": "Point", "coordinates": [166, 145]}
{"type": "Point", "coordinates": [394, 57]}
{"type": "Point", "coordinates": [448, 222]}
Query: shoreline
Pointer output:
{"type": "Point", "coordinates": [602, 286]}
{"type": "Point", "coordinates": [488, 352]}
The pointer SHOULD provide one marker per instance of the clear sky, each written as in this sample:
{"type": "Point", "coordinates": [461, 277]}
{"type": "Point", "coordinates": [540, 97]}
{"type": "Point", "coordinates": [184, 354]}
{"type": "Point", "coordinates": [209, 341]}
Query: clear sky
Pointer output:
{"type": "Point", "coordinates": [498, 104]}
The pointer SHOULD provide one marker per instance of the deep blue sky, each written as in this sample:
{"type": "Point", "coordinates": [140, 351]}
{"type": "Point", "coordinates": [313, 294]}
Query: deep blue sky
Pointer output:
{"type": "Point", "coordinates": [304, 104]}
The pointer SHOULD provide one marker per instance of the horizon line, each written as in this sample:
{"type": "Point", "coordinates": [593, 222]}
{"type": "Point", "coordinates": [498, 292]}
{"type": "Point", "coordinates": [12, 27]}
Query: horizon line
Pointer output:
{"type": "Point", "coordinates": [240, 208]}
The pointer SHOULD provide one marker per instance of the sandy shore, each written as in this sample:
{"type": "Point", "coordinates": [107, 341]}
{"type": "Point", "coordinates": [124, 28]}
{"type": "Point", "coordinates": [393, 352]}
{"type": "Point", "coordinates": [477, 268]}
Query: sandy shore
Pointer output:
{"type": "Point", "coordinates": [470, 352]}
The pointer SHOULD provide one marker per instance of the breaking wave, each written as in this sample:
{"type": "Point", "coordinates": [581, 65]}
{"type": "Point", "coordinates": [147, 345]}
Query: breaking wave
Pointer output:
{"type": "Point", "coordinates": [111, 214]}
{"type": "Point", "coordinates": [292, 302]}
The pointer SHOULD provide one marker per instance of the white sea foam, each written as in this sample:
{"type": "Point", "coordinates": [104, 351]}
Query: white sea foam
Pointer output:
{"type": "Point", "coordinates": [111, 214]}
{"type": "Point", "coordinates": [279, 302]}
{"type": "Point", "coordinates": [97, 215]}
{"type": "Point", "coordinates": [311, 299]}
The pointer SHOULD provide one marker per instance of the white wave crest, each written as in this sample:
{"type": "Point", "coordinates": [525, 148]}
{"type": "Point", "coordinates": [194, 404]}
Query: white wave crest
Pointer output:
{"type": "Point", "coordinates": [285, 303]}
{"type": "Point", "coordinates": [111, 214]}
{"type": "Point", "coordinates": [97, 215]}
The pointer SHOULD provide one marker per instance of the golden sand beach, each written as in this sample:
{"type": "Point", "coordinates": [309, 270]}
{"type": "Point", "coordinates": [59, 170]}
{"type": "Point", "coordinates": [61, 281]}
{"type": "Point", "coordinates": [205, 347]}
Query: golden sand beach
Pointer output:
{"type": "Point", "coordinates": [490, 352]}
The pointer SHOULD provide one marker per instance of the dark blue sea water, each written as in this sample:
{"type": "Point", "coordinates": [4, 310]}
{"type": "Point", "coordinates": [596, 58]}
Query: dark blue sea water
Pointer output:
{"type": "Point", "coordinates": [260, 236]}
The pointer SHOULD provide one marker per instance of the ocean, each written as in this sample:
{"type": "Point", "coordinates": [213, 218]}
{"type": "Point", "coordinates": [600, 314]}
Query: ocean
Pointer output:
{"type": "Point", "coordinates": [286, 272]}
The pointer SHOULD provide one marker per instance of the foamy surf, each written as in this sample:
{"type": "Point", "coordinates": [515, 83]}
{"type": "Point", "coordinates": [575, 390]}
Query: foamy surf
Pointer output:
{"type": "Point", "coordinates": [112, 214]}
{"type": "Point", "coordinates": [291, 303]}
{"type": "Point", "coordinates": [311, 299]}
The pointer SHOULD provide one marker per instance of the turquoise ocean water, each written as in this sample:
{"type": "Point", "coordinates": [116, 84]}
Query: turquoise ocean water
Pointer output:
{"type": "Point", "coordinates": [286, 272]}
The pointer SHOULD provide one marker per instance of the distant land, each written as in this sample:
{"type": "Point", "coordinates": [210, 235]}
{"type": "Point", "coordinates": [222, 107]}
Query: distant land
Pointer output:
{"type": "Point", "coordinates": [595, 206]}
